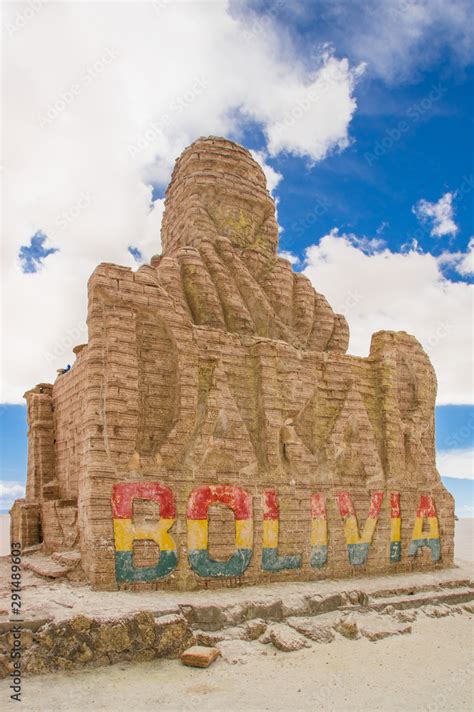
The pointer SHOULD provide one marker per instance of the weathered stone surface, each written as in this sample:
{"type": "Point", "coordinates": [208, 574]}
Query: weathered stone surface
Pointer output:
{"type": "Point", "coordinates": [312, 629]}
{"type": "Point", "coordinates": [46, 567]}
{"type": "Point", "coordinates": [81, 641]}
{"type": "Point", "coordinates": [67, 558]}
{"type": "Point", "coordinates": [114, 638]}
{"type": "Point", "coordinates": [325, 604]}
{"type": "Point", "coordinates": [199, 656]}
{"type": "Point", "coordinates": [211, 638]}
{"type": "Point", "coordinates": [218, 367]}
{"type": "Point", "coordinates": [347, 626]}
{"type": "Point", "coordinates": [254, 629]}
{"type": "Point", "coordinates": [439, 611]}
{"type": "Point", "coordinates": [406, 616]}
{"type": "Point", "coordinates": [172, 636]}
{"type": "Point", "coordinates": [426, 598]}
{"type": "Point", "coordinates": [376, 627]}
{"type": "Point", "coordinates": [285, 638]}
{"type": "Point", "coordinates": [239, 651]}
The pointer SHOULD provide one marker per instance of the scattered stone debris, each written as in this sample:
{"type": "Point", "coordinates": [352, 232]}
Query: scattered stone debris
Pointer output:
{"type": "Point", "coordinates": [254, 629]}
{"type": "Point", "coordinates": [439, 611]}
{"type": "Point", "coordinates": [310, 628]}
{"type": "Point", "coordinates": [210, 637]}
{"type": "Point", "coordinates": [347, 626]}
{"type": "Point", "coordinates": [199, 656]}
{"type": "Point", "coordinates": [284, 638]}
{"type": "Point", "coordinates": [404, 616]}
{"type": "Point", "coordinates": [67, 558]}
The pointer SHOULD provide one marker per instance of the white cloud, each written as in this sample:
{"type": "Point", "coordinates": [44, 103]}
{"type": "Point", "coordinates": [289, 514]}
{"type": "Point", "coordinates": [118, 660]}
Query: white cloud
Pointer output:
{"type": "Point", "coordinates": [440, 214]}
{"type": "Point", "coordinates": [9, 491]}
{"type": "Point", "coordinates": [397, 38]}
{"type": "Point", "coordinates": [456, 463]}
{"type": "Point", "coordinates": [273, 176]}
{"type": "Point", "coordinates": [399, 291]}
{"type": "Point", "coordinates": [462, 262]}
{"type": "Point", "coordinates": [99, 99]}
{"type": "Point", "coordinates": [292, 259]}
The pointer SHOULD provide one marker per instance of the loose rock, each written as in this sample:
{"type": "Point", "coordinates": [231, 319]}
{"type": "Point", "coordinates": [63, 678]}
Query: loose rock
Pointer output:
{"type": "Point", "coordinates": [199, 656]}
{"type": "Point", "coordinates": [286, 639]}
{"type": "Point", "coordinates": [312, 629]}
{"type": "Point", "coordinates": [347, 626]}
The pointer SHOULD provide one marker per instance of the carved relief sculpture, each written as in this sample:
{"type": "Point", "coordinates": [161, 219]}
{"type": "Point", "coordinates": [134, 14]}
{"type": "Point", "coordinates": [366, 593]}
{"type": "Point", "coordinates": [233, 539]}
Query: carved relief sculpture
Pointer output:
{"type": "Point", "coordinates": [214, 431]}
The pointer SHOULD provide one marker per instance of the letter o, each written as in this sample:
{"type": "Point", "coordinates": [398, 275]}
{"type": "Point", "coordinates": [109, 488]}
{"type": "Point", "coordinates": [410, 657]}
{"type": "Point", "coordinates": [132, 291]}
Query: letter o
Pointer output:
{"type": "Point", "coordinates": [199, 502]}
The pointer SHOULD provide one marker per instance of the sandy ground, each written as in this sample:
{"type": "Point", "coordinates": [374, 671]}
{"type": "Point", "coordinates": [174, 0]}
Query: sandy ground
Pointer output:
{"type": "Point", "coordinates": [464, 540]}
{"type": "Point", "coordinates": [431, 669]}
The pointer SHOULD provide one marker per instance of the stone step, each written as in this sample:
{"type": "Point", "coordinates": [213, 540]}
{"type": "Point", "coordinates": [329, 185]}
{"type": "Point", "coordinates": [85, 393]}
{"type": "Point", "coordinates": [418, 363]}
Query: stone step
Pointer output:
{"type": "Point", "coordinates": [47, 568]}
{"type": "Point", "coordinates": [68, 558]}
{"type": "Point", "coordinates": [410, 590]}
{"type": "Point", "coordinates": [401, 602]}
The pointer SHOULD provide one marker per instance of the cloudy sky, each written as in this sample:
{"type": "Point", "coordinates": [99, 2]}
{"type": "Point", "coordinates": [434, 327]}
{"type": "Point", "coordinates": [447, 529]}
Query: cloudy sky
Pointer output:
{"type": "Point", "coordinates": [359, 111]}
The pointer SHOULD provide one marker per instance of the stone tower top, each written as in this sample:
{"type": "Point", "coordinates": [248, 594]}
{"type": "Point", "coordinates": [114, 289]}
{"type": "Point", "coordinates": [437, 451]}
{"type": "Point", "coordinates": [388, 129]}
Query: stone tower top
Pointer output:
{"type": "Point", "coordinates": [218, 189]}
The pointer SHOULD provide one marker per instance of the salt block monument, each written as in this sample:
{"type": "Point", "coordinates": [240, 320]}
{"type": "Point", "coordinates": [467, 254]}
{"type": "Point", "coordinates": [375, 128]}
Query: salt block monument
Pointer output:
{"type": "Point", "coordinates": [214, 431]}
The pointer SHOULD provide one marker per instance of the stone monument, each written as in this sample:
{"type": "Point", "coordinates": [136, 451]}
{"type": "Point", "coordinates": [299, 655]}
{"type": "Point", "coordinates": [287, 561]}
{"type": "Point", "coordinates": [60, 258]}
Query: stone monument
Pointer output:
{"type": "Point", "coordinates": [214, 432]}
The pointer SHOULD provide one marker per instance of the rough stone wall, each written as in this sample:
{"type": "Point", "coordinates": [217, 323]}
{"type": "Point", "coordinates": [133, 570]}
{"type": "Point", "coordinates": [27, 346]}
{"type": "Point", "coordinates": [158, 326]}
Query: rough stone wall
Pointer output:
{"type": "Point", "coordinates": [68, 397]}
{"type": "Point", "coordinates": [218, 367]}
{"type": "Point", "coordinates": [55, 461]}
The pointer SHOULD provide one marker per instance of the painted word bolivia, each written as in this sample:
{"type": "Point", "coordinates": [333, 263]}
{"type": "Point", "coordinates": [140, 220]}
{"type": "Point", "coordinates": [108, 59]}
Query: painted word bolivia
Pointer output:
{"type": "Point", "coordinates": [425, 531]}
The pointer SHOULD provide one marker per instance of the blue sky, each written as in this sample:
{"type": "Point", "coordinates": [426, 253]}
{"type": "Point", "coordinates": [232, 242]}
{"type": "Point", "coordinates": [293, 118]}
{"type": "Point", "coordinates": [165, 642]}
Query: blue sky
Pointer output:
{"type": "Point", "coordinates": [360, 112]}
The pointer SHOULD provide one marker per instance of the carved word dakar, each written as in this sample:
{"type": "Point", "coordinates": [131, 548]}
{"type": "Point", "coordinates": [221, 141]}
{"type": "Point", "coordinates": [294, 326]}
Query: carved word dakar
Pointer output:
{"type": "Point", "coordinates": [240, 502]}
